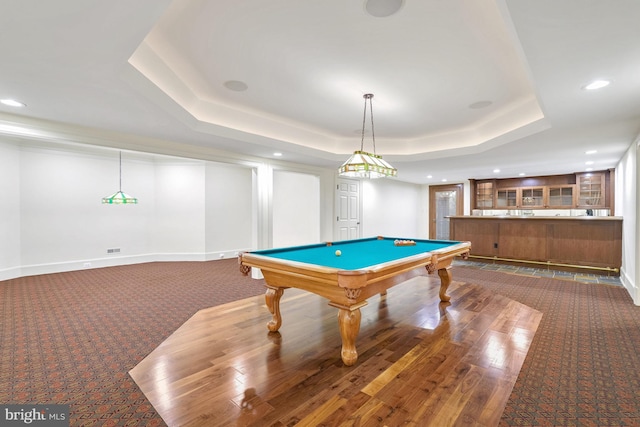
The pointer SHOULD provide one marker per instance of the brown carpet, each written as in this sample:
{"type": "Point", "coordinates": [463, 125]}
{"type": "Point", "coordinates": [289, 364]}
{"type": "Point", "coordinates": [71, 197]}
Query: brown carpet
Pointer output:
{"type": "Point", "coordinates": [72, 338]}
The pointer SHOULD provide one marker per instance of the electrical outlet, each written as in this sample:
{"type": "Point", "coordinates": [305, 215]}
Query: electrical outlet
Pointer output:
{"type": "Point", "coordinates": [87, 265]}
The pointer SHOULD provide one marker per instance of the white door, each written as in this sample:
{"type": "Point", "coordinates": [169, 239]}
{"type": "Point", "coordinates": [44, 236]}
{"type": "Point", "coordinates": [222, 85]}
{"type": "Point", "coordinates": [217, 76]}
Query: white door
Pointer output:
{"type": "Point", "coordinates": [348, 209]}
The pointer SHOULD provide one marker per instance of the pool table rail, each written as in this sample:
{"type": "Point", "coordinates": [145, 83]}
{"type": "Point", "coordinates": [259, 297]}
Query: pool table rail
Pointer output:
{"type": "Point", "coordinates": [286, 273]}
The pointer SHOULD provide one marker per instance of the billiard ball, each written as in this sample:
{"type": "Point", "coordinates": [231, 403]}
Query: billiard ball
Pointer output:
{"type": "Point", "coordinates": [338, 252]}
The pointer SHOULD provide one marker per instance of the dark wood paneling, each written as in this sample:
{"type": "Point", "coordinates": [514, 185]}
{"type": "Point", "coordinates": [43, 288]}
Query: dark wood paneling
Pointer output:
{"type": "Point", "coordinates": [580, 241]}
{"type": "Point", "coordinates": [522, 240]}
{"type": "Point", "coordinates": [483, 235]}
{"type": "Point", "coordinates": [536, 181]}
{"type": "Point", "coordinates": [597, 244]}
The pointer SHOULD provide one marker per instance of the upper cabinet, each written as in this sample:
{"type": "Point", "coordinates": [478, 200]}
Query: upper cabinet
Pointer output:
{"type": "Point", "coordinates": [507, 198]}
{"type": "Point", "coordinates": [591, 190]}
{"type": "Point", "coordinates": [532, 197]}
{"type": "Point", "coordinates": [579, 190]}
{"type": "Point", "coordinates": [561, 197]}
{"type": "Point", "coordinates": [484, 195]}
{"type": "Point", "coordinates": [520, 198]}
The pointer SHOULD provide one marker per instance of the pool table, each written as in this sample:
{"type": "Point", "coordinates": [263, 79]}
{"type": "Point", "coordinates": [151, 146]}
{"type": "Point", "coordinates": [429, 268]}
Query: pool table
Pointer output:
{"type": "Point", "coordinates": [361, 269]}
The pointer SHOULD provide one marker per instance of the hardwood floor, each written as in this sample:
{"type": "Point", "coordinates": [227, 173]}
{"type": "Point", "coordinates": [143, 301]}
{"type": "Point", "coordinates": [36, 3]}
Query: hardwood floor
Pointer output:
{"type": "Point", "coordinates": [421, 362]}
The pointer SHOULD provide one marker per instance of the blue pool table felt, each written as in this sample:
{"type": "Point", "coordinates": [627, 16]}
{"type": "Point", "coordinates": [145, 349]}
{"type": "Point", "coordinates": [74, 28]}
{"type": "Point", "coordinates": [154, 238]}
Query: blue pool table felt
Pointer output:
{"type": "Point", "coordinates": [356, 254]}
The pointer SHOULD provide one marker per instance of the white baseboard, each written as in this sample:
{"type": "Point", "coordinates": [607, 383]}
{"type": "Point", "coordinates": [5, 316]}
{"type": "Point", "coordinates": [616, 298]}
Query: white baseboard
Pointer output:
{"type": "Point", "coordinates": [630, 285]}
{"type": "Point", "coordinates": [112, 261]}
{"type": "Point", "coordinates": [10, 273]}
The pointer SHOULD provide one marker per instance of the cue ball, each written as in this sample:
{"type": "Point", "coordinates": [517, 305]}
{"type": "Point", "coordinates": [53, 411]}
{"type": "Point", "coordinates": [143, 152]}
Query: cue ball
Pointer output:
{"type": "Point", "coordinates": [338, 252]}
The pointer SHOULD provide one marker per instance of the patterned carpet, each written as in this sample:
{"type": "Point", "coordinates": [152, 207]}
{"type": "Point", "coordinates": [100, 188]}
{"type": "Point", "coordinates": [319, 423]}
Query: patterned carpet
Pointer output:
{"type": "Point", "coordinates": [72, 338]}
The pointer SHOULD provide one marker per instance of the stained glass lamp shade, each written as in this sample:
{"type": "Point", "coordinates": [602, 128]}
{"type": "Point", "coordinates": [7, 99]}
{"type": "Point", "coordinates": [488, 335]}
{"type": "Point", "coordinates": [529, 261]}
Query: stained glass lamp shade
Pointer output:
{"type": "Point", "coordinates": [119, 197]}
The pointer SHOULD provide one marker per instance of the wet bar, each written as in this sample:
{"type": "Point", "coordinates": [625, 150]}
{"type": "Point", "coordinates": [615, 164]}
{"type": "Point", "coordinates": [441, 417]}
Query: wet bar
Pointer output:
{"type": "Point", "coordinates": [590, 243]}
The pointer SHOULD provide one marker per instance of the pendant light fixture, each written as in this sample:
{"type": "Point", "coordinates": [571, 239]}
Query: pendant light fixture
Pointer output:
{"type": "Point", "coordinates": [366, 165]}
{"type": "Point", "coordinates": [119, 198]}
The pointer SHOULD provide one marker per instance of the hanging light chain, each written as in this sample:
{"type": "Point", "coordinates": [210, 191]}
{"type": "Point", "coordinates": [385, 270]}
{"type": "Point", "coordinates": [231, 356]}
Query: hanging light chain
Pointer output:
{"type": "Point", "coordinates": [120, 185]}
{"type": "Point", "coordinates": [373, 134]}
{"type": "Point", "coordinates": [366, 97]}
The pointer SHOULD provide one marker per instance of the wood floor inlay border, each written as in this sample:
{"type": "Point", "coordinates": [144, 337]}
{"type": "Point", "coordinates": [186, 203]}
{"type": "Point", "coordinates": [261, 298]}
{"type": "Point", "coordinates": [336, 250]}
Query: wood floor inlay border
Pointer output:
{"type": "Point", "coordinates": [420, 362]}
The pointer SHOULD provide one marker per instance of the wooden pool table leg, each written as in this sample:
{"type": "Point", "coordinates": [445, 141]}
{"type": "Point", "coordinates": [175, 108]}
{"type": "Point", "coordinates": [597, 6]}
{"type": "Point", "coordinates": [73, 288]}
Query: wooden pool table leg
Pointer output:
{"type": "Point", "coordinates": [445, 281]}
{"type": "Point", "coordinates": [272, 297]}
{"type": "Point", "coordinates": [349, 321]}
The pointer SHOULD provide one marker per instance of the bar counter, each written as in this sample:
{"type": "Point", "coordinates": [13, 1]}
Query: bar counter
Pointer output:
{"type": "Point", "coordinates": [577, 242]}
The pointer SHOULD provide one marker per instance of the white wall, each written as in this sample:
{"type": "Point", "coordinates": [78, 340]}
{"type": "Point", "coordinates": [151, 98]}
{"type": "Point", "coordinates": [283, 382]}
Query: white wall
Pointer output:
{"type": "Point", "coordinates": [62, 220]}
{"type": "Point", "coordinates": [229, 209]}
{"type": "Point", "coordinates": [9, 208]}
{"type": "Point", "coordinates": [627, 205]}
{"type": "Point", "coordinates": [296, 208]}
{"type": "Point", "coordinates": [392, 208]}
{"type": "Point", "coordinates": [53, 220]}
{"type": "Point", "coordinates": [178, 231]}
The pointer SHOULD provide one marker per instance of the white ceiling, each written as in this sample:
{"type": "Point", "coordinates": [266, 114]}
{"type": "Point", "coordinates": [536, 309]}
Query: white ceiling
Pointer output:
{"type": "Point", "coordinates": [157, 69]}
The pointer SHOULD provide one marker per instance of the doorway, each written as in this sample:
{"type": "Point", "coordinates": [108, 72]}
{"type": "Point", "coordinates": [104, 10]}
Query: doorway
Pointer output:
{"type": "Point", "coordinates": [348, 210]}
{"type": "Point", "coordinates": [444, 201]}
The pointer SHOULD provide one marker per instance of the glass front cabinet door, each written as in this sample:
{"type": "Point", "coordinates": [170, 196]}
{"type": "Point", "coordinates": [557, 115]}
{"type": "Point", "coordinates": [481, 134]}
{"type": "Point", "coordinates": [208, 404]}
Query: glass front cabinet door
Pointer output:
{"type": "Point", "coordinates": [532, 198]}
{"type": "Point", "coordinates": [507, 198]}
{"type": "Point", "coordinates": [484, 195]}
{"type": "Point", "coordinates": [590, 190]}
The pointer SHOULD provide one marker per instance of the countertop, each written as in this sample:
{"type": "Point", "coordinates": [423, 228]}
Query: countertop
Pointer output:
{"type": "Point", "coordinates": [559, 218]}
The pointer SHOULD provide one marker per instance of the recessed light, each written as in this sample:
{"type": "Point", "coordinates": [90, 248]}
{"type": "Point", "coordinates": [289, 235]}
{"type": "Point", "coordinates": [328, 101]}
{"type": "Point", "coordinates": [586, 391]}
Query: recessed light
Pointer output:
{"type": "Point", "coordinates": [496, 171]}
{"type": "Point", "coordinates": [597, 84]}
{"type": "Point", "coordinates": [591, 152]}
{"type": "Point", "coordinates": [12, 103]}
{"type": "Point", "coordinates": [383, 8]}
{"type": "Point", "coordinates": [277, 154]}
{"type": "Point", "coordinates": [589, 162]}
{"type": "Point", "coordinates": [429, 176]}
{"type": "Point", "coordinates": [589, 169]}
{"type": "Point", "coordinates": [480, 104]}
{"type": "Point", "coordinates": [236, 85]}
{"type": "Point", "coordinates": [444, 179]}
{"type": "Point", "coordinates": [522, 174]}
